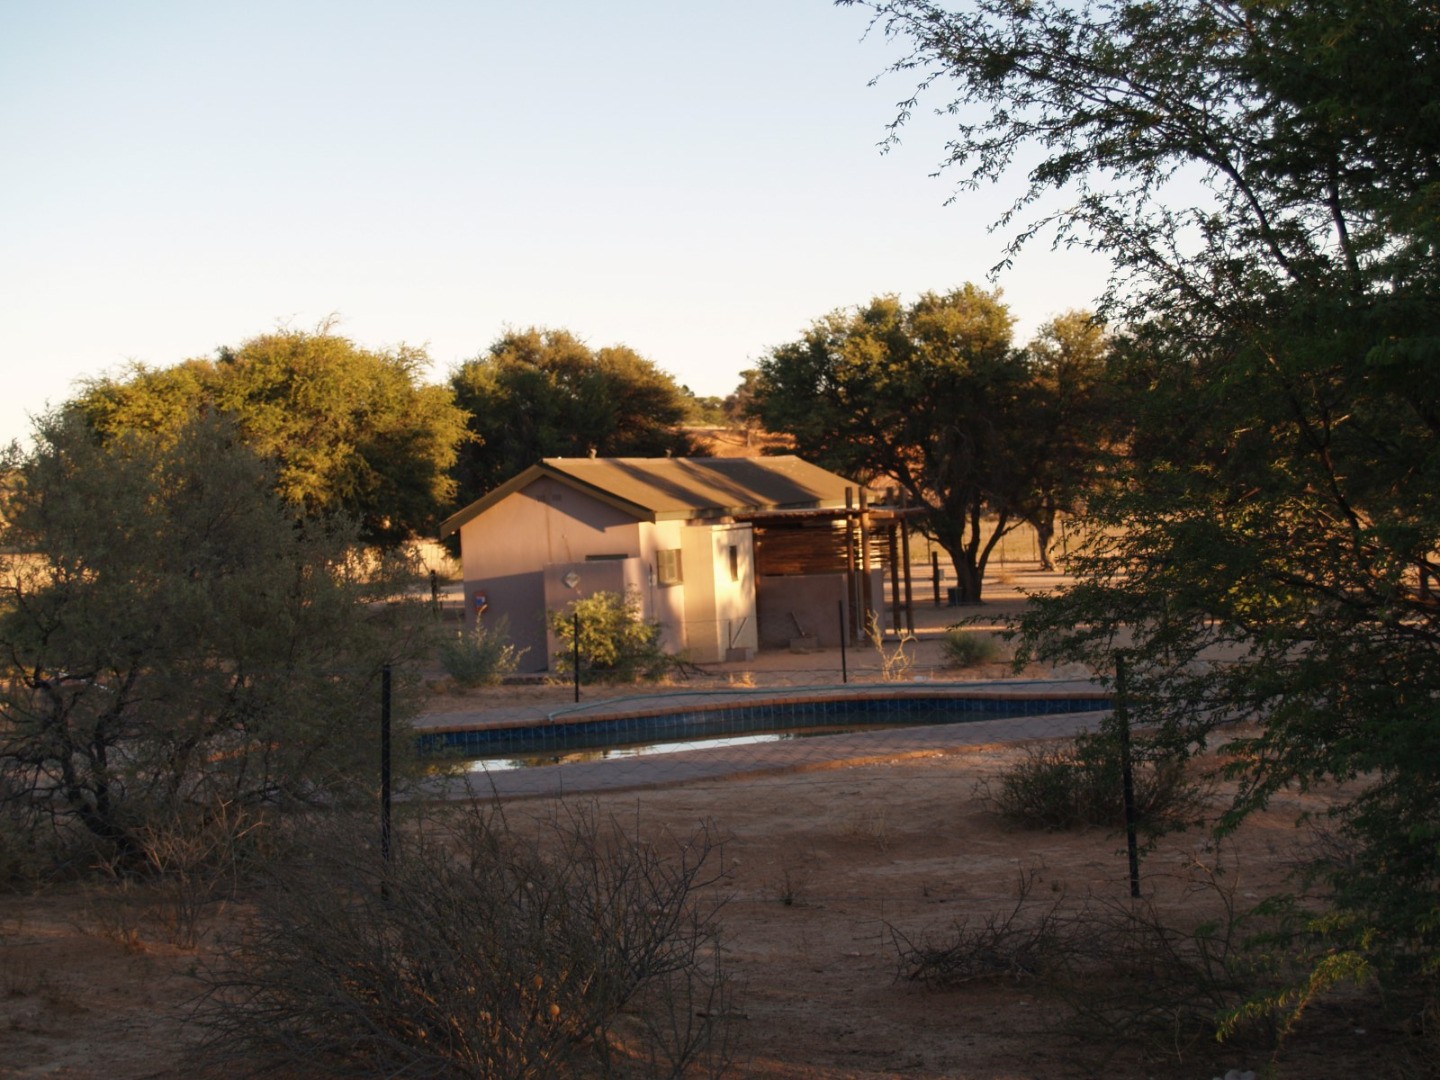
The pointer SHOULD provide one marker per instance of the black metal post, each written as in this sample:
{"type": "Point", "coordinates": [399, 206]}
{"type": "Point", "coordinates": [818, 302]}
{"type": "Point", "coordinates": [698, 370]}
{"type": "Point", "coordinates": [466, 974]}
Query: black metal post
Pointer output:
{"type": "Point", "coordinates": [1127, 773]}
{"type": "Point", "coordinates": [385, 698]}
{"type": "Point", "coordinates": [935, 574]}
{"type": "Point", "coordinates": [844, 663]}
{"type": "Point", "coordinates": [577, 656]}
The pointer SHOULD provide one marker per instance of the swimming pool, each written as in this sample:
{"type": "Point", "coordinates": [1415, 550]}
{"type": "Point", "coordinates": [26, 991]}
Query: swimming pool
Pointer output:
{"type": "Point", "coordinates": [817, 712]}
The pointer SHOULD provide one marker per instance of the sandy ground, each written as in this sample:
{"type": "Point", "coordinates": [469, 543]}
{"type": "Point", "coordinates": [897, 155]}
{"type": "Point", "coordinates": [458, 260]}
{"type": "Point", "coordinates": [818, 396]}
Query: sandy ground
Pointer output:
{"type": "Point", "coordinates": [820, 872]}
{"type": "Point", "coordinates": [822, 869]}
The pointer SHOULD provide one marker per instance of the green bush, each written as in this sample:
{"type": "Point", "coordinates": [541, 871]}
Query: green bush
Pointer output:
{"type": "Point", "coordinates": [616, 643]}
{"type": "Point", "coordinates": [1080, 783]}
{"type": "Point", "coordinates": [968, 648]}
{"type": "Point", "coordinates": [480, 657]}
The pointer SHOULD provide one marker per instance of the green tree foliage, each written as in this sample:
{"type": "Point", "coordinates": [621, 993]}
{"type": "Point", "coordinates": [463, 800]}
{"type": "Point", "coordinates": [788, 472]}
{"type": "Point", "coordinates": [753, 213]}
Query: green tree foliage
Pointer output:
{"type": "Point", "coordinates": [1265, 176]}
{"type": "Point", "coordinates": [172, 643]}
{"type": "Point", "coordinates": [925, 396]}
{"type": "Point", "coordinates": [351, 431]}
{"type": "Point", "coordinates": [545, 393]}
{"type": "Point", "coordinates": [617, 643]}
{"type": "Point", "coordinates": [1073, 421]}
{"type": "Point", "coordinates": [740, 406]}
{"type": "Point", "coordinates": [703, 411]}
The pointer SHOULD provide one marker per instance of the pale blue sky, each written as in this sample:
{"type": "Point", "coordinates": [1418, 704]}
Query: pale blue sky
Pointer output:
{"type": "Point", "coordinates": [697, 181]}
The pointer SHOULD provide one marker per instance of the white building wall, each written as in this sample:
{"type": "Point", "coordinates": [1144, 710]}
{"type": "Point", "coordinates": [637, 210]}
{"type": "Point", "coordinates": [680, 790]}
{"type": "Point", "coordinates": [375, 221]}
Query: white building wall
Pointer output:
{"type": "Point", "coordinates": [720, 610]}
{"type": "Point", "coordinates": [665, 603]}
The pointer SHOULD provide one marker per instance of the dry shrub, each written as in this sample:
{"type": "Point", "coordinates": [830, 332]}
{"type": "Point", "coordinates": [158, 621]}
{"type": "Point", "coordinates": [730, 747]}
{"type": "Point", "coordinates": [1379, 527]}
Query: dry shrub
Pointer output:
{"type": "Point", "coordinates": [1126, 978]}
{"type": "Point", "coordinates": [1079, 783]}
{"type": "Point", "coordinates": [1016, 944]}
{"type": "Point", "coordinates": [1213, 979]}
{"type": "Point", "coordinates": [479, 656]}
{"type": "Point", "coordinates": [896, 663]}
{"type": "Point", "coordinates": [23, 861]}
{"type": "Point", "coordinates": [963, 647]}
{"type": "Point", "coordinates": [480, 952]}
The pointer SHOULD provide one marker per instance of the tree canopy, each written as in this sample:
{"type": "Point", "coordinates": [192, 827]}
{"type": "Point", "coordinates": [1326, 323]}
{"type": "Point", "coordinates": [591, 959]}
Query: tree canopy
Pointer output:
{"type": "Point", "coordinates": [1264, 176]}
{"type": "Point", "coordinates": [933, 397]}
{"type": "Point", "coordinates": [545, 393]}
{"type": "Point", "coordinates": [350, 430]}
{"type": "Point", "coordinates": [1073, 423]}
{"type": "Point", "coordinates": [174, 647]}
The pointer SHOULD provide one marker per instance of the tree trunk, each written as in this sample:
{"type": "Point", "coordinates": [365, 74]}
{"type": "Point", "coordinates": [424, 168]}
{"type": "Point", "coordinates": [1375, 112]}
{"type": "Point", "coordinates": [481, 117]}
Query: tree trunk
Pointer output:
{"type": "Point", "coordinates": [1045, 538]}
{"type": "Point", "coordinates": [968, 578]}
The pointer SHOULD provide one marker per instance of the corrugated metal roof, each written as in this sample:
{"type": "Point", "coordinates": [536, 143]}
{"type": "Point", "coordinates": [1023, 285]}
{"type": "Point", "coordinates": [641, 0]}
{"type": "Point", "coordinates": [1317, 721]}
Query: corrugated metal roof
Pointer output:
{"type": "Point", "coordinates": [659, 489]}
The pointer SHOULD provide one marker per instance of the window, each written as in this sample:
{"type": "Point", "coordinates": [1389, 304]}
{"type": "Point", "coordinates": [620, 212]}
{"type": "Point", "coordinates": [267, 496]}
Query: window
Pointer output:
{"type": "Point", "coordinates": [667, 566]}
{"type": "Point", "coordinates": [734, 563]}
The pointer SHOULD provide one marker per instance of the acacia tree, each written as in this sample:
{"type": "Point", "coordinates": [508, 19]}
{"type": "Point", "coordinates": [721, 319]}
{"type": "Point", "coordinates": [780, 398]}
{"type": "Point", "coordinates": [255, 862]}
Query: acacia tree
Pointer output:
{"type": "Point", "coordinates": [173, 645]}
{"type": "Point", "coordinates": [1264, 177]}
{"type": "Point", "coordinates": [545, 393]}
{"type": "Point", "coordinates": [925, 396]}
{"type": "Point", "coordinates": [351, 431]}
{"type": "Point", "coordinates": [1072, 426]}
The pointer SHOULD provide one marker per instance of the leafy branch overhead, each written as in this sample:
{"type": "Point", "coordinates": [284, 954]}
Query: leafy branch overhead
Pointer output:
{"type": "Point", "coordinates": [1264, 178]}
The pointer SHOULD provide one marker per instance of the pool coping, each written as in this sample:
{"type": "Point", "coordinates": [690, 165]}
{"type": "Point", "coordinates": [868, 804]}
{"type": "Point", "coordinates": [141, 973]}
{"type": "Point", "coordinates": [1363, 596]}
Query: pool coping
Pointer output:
{"type": "Point", "coordinates": [712, 699]}
{"type": "Point", "coordinates": [885, 747]}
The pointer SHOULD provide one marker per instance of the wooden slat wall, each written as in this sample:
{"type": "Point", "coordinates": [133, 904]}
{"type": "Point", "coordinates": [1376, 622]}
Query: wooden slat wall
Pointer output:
{"type": "Point", "coordinates": [812, 548]}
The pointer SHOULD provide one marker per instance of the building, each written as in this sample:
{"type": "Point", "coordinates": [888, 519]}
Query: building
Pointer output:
{"type": "Point", "coordinates": [689, 537]}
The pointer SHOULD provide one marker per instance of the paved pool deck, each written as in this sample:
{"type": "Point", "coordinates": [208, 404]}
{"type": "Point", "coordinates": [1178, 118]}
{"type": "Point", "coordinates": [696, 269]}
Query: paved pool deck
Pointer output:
{"type": "Point", "coordinates": [666, 769]}
{"type": "Point", "coordinates": [781, 675]}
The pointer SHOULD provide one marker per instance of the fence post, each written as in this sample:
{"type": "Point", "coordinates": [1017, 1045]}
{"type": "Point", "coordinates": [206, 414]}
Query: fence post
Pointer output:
{"type": "Point", "coordinates": [577, 656]}
{"type": "Point", "coordinates": [385, 698]}
{"type": "Point", "coordinates": [844, 668]}
{"type": "Point", "coordinates": [1127, 774]}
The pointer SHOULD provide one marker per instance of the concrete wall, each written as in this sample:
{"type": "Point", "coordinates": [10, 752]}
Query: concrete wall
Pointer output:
{"type": "Point", "coordinates": [504, 552]}
{"type": "Point", "coordinates": [619, 576]}
{"type": "Point", "coordinates": [815, 600]}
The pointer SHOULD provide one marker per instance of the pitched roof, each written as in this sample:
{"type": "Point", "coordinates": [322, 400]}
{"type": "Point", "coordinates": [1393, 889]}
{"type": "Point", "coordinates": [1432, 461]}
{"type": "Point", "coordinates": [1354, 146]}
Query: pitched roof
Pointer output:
{"type": "Point", "coordinates": [667, 489]}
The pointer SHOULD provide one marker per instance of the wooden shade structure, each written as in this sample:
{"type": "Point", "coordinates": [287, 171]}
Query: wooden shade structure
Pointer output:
{"type": "Point", "coordinates": [840, 540]}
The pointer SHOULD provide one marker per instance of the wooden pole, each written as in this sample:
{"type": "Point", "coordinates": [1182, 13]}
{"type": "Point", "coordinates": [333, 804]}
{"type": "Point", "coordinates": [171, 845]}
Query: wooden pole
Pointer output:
{"type": "Point", "coordinates": [905, 561]}
{"type": "Point", "coordinates": [867, 598]}
{"type": "Point", "coordinates": [850, 582]}
{"type": "Point", "coordinates": [894, 579]}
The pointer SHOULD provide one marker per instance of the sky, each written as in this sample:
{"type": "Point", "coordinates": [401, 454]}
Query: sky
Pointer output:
{"type": "Point", "coordinates": [697, 181]}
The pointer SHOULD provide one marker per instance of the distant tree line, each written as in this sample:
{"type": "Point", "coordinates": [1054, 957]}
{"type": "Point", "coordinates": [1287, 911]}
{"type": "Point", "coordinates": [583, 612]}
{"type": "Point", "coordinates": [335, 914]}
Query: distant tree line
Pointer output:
{"type": "Point", "coordinates": [357, 433]}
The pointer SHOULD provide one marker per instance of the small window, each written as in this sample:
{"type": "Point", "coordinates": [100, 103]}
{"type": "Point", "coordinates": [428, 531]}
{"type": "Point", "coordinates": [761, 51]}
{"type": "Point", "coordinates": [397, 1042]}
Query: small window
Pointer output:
{"type": "Point", "coordinates": [734, 563]}
{"type": "Point", "coordinates": [667, 566]}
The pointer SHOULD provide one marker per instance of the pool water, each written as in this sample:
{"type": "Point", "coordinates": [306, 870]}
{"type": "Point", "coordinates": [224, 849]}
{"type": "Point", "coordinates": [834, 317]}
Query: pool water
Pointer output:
{"type": "Point", "coordinates": [701, 728]}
